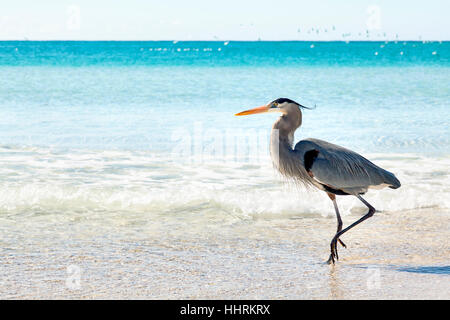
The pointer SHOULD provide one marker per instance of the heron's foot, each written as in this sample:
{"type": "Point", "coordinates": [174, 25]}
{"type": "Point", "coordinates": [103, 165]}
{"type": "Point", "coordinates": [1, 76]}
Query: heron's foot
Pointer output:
{"type": "Point", "coordinates": [333, 248]}
{"type": "Point", "coordinates": [342, 243]}
{"type": "Point", "coordinates": [330, 259]}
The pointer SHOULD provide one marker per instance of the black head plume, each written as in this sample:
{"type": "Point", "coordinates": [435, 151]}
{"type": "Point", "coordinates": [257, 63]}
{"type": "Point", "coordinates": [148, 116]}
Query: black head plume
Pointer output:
{"type": "Point", "coordinates": [283, 100]}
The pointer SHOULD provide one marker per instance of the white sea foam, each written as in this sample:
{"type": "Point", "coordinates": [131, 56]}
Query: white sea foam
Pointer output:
{"type": "Point", "coordinates": [41, 180]}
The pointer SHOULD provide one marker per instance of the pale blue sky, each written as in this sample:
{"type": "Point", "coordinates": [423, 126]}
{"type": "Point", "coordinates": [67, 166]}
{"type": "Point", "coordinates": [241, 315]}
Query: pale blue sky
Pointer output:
{"type": "Point", "coordinates": [225, 20]}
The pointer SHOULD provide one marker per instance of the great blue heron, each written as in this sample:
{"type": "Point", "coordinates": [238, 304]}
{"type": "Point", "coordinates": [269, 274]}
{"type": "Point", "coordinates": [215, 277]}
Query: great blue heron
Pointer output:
{"type": "Point", "coordinates": [313, 162]}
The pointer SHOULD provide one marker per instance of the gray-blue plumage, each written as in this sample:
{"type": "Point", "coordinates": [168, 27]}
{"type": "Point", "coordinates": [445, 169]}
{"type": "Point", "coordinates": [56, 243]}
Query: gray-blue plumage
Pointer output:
{"type": "Point", "coordinates": [342, 169]}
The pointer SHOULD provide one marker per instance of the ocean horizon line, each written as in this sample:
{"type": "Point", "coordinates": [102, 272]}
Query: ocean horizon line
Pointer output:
{"type": "Point", "coordinates": [175, 40]}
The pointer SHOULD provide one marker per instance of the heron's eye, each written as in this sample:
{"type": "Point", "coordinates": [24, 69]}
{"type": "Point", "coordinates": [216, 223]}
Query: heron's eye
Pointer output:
{"type": "Point", "coordinates": [274, 105]}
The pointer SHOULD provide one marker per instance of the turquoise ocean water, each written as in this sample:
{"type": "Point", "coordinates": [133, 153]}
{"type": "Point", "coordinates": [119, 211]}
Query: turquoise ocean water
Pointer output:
{"type": "Point", "coordinates": [150, 126]}
{"type": "Point", "coordinates": [374, 96]}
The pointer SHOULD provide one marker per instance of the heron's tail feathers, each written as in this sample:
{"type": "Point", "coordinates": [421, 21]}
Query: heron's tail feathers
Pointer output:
{"type": "Point", "coordinates": [392, 180]}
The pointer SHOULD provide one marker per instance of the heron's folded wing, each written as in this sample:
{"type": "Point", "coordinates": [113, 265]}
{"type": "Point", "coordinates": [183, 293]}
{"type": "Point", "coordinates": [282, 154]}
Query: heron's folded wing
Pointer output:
{"type": "Point", "coordinates": [340, 168]}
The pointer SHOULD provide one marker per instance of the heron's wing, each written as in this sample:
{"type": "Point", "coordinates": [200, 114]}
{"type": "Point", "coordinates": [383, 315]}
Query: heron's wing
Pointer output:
{"type": "Point", "coordinates": [340, 168]}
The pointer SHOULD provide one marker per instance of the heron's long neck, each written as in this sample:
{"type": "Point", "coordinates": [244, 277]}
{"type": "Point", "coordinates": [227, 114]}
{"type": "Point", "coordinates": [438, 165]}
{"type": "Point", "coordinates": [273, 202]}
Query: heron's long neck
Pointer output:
{"type": "Point", "coordinates": [283, 156]}
{"type": "Point", "coordinates": [281, 141]}
{"type": "Point", "coordinates": [283, 130]}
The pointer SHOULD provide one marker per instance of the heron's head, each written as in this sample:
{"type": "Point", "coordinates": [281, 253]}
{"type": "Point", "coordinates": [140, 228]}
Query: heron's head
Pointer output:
{"type": "Point", "coordinates": [283, 105]}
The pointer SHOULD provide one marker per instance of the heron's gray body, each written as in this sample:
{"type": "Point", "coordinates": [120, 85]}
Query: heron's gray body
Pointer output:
{"type": "Point", "coordinates": [327, 166]}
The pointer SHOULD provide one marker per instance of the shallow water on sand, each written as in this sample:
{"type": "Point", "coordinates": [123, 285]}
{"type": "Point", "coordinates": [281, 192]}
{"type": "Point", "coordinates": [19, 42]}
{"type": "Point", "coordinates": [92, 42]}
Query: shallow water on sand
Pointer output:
{"type": "Point", "coordinates": [393, 255]}
{"type": "Point", "coordinates": [212, 230]}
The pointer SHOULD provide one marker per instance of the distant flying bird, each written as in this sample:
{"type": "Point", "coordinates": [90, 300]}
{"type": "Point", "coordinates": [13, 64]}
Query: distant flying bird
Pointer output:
{"type": "Point", "coordinates": [326, 166]}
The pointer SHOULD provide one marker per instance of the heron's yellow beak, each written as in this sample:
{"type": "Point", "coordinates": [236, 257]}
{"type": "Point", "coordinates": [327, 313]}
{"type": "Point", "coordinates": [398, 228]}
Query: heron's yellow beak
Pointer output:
{"type": "Point", "coordinates": [261, 109]}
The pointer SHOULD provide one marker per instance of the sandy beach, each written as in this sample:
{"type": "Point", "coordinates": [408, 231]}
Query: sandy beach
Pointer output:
{"type": "Point", "coordinates": [400, 255]}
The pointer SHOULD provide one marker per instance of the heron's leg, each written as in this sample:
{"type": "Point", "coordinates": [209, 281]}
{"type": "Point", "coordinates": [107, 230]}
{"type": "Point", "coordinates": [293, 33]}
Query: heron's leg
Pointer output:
{"type": "Point", "coordinates": [339, 228]}
{"type": "Point", "coordinates": [339, 221]}
{"type": "Point", "coordinates": [336, 237]}
{"type": "Point", "coordinates": [333, 244]}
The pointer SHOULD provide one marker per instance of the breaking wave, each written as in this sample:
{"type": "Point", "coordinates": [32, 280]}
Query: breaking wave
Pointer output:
{"type": "Point", "coordinates": [41, 180]}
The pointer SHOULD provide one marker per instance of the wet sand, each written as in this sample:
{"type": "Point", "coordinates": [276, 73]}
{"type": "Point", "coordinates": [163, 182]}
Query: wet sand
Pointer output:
{"type": "Point", "coordinates": [394, 255]}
